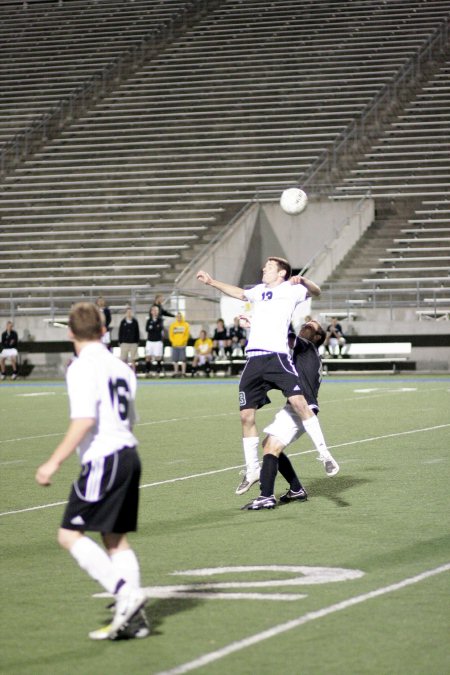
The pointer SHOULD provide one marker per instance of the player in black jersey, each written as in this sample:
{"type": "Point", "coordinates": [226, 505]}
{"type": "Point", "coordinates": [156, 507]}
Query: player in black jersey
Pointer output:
{"type": "Point", "coordinates": [8, 350]}
{"type": "Point", "coordinates": [154, 347]}
{"type": "Point", "coordinates": [287, 426]}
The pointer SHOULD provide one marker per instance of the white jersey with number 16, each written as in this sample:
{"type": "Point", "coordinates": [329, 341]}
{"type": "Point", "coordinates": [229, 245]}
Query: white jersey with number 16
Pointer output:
{"type": "Point", "coordinates": [102, 387]}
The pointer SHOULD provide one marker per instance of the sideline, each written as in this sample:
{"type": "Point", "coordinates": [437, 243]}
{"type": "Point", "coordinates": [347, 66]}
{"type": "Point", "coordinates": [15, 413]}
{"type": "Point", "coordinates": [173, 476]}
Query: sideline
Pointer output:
{"type": "Point", "coordinates": [213, 472]}
{"type": "Point", "coordinates": [300, 621]}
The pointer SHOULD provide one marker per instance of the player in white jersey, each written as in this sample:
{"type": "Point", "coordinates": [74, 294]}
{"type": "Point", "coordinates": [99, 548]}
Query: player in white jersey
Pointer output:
{"type": "Point", "coordinates": [269, 364]}
{"type": "Point", "coordinates": [105, 496]}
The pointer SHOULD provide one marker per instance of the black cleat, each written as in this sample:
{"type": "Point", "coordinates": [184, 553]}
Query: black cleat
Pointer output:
{"type": "Point", "coordinates": [260, 503]}
{"type": "Point", "coordinates": [291, 496]}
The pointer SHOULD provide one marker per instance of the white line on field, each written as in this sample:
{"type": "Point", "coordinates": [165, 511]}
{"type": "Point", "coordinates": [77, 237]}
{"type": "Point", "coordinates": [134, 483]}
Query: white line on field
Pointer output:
{"type": "Point", "coordinates": [210, 416]}
{"type": "Point", "coordinates": [239, 466]}
{"type": "Point", "coordinates": [33, 508]}
{"type": "Point", "coordinates": [300, 621]}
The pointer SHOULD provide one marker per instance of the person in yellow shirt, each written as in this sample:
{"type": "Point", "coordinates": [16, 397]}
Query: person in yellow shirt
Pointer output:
{"type": "Point", "coordinates": [203, 352]}
{"type": "Point", "coordinates": [179, 336]}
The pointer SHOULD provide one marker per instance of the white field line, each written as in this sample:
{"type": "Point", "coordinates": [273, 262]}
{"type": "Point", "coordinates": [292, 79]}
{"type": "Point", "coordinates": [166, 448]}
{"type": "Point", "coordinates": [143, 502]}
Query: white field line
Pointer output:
{"type": "Point", "coordinates": [300, 621]}
{"type": "Point", "coordinates": [233, 468]}
{"type": "Point", "coordinates": [211, 416]}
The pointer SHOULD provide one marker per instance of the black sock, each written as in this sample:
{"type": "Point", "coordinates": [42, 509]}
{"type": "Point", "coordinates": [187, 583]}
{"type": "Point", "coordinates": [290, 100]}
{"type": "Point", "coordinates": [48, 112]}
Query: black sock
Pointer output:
{"type": "Point", "coordinates": [287, 471]}
{"type": "Point", "coordinates": [268, 474]}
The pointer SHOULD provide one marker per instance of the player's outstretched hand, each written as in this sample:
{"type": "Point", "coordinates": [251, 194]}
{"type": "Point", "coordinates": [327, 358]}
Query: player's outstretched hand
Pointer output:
{"type": "Point", "coordinates": [204, 277]}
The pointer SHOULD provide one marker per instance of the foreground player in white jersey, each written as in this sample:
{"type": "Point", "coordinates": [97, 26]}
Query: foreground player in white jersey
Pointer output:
{"type": "Point", "coordinates": [269, 364]}
{"type": "Point", "coordinates": [105, 496]}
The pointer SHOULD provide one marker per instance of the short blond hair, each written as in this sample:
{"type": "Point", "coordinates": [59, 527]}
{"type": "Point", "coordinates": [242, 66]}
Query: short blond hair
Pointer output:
{"type": "Point", "coordinates": [85, 321]}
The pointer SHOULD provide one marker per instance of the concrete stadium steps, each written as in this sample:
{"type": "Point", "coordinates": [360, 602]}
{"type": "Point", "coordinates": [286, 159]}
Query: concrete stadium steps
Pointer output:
{"type": "Point", "coordinates": [51, 49]}
{"type": "Point", "coordinates": [406, 274]}
{"type": "Point", "coordinates": [247, 99]}
{"type": "Point", "coordinates": [413, 152]}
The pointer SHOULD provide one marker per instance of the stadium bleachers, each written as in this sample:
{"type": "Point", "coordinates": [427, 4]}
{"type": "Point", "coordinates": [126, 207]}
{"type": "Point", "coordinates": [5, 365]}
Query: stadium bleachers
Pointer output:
{"type": "Point", "coordinates": [249, 97]}
{"type": "Point", "coordinates": [50, 49]}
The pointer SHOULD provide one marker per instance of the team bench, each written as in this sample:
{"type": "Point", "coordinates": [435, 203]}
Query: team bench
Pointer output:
{"type": "Point", "coordinates": [393, 356]}
{"type": "Point", "coordinates": [219, 366]}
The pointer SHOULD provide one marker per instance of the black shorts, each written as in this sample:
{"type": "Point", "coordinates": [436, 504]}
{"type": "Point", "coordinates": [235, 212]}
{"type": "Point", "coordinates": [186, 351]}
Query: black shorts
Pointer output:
{"type": "Point", "coordinates": [105, 497]}
{"type": "Point", "coordinates": [262, 373]}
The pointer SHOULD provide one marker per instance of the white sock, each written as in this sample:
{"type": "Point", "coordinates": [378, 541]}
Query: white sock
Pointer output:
{"type": "Point", "coordinates": [126, 566]}
{"type": "Point", "coordinates": [96, 562]}
{"type": "Point", "coordinates": [312, 428]}
{"type": "Point", "coordinates": [251, 445]}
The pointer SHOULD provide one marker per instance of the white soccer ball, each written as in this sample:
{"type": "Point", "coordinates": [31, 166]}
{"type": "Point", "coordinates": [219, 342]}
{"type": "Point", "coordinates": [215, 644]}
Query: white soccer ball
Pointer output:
{"type": "Point", "coordinates": [293, 200]}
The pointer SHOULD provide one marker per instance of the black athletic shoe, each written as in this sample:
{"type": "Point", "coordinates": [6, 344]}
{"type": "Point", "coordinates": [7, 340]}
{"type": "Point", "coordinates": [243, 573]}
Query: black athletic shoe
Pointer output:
{"type": "Point", "coordinates": [260, 503]}
{"type": "Point", "coordinates": [291, 496]}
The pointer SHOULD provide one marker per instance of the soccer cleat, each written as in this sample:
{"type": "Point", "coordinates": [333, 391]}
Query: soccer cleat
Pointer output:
{"type": "Point", "coordinates": [138, 628]}
{"type": "Point", "coordinates": [101, 633]}
{"type": "Point", "coordinates": [14, 376]}
{"type": "Point", "coordinates": [330, 465]}
{"type": "Point", "coordinates": [260, 503]}
{"type": "Point", "coordinates": [2, 376]}
{"type": "Point", "coordinates": [292, 496]}
{"type": "Point", "coordinates": [249, 479]}
{"type": "Point", "coordinates": [127, 606]}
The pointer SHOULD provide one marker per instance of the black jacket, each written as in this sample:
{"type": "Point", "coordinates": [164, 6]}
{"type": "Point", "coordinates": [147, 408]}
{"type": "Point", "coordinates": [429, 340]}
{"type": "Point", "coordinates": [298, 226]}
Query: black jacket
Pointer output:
{"type": "Point", "coordinates": [129, 331]}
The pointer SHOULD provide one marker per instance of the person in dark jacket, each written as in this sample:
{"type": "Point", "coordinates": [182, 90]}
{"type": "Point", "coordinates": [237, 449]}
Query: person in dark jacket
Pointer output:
{"type": "Point", "coordinates": [129, 338]}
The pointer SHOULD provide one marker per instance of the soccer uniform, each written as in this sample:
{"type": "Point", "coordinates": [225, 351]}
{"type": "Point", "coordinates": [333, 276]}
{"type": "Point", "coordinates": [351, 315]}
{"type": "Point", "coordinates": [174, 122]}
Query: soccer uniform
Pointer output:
{"type": "Point", "coordinates": [220, 339]}
{"type": "Point", "coordinates": [107, 318]}
{"type": "Point", "coordinates": [9, 344]}
{"type": "Point", "coordinates": [287, 426]}
{"type": "Point", "coordinates": [105, 496]}
{"type": "Point", "coordinates": [155, 337]}
{"type": "Point", "coordinates": [269, 364]}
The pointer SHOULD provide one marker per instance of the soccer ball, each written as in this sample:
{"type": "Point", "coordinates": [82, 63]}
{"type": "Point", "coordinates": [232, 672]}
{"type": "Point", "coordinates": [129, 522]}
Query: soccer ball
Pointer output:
{"type": "Point", "coordinates": [293, 200]}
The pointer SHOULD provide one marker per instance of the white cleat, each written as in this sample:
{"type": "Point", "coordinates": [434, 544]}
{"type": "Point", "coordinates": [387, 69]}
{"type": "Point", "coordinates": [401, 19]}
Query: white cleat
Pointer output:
{"type": "Point", "coordinates": [249, 479]}
{"type": "Point", "coordinates": [330, 465]}
{"type": "Point", "coordinates": [127, 606]}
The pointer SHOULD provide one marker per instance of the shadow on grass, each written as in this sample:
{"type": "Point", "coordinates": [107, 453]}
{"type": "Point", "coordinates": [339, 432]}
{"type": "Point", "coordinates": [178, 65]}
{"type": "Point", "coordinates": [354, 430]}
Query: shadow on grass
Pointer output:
{"type": "Point", "coordinates": [159, 610]}
{"type": "Point", "coordinates": [332, 488]}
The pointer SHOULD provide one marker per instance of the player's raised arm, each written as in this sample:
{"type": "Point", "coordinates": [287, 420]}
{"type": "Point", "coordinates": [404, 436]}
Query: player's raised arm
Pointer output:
{"type": "Point", "coordinates": [312, 288]}
{"type": "Point", "coordinates": [228, 289]}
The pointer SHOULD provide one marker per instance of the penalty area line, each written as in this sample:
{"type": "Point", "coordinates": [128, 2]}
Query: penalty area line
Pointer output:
{"type": "Point", "coordinates": [300, 621]}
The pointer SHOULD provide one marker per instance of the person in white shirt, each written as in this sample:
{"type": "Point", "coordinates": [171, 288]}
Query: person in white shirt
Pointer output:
{"type": "Point", "coordinates": [105, 496]}
{"type": "Point", "coordinates": [270, 366]}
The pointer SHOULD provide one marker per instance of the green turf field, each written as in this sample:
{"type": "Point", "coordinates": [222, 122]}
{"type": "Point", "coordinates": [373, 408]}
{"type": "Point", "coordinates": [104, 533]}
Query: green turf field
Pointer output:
{"type": "Point", "coordinates": [235, 591]}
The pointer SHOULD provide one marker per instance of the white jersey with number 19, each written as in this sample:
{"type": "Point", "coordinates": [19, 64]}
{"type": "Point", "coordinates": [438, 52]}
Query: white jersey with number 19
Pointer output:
{"type": "Point", "coordinates": [102, 387]}
{"type": "Point", "coordinates": [271, 315]}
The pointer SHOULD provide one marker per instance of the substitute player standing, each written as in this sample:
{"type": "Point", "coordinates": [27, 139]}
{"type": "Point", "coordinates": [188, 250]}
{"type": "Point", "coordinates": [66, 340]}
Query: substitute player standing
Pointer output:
{"type": "Point", "coordinates": [105, 496]}
{"type": "Point", "coordinates": [269, 364]}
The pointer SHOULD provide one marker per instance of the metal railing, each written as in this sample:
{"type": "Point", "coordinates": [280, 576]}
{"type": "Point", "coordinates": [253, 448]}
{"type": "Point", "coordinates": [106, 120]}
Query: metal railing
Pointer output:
{"type": "Point", "coordinates": [337, 296]}
{"type": "Point", "coordinates": [366, 124]}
